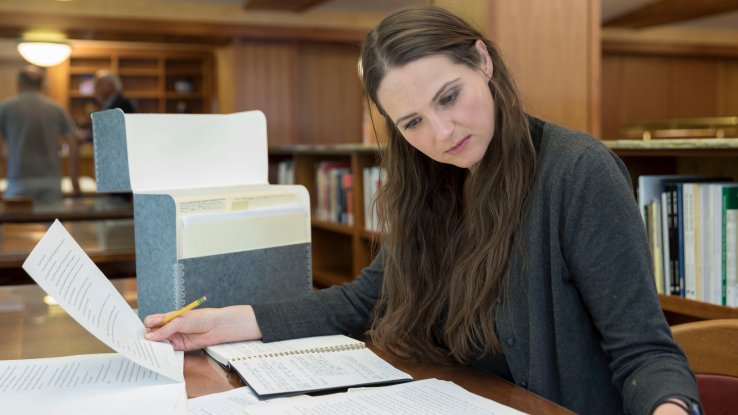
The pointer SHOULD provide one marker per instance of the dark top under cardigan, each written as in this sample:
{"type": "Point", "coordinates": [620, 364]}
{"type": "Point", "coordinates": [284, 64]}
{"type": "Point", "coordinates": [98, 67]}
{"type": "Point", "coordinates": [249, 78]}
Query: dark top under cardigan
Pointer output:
{"type": "Point", "coordinates": [582, 326]}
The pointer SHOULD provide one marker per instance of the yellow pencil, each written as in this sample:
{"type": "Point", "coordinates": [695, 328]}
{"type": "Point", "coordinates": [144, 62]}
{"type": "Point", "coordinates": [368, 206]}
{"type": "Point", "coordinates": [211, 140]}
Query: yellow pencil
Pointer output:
{"type": "Point", "coordinates": [184, 310]}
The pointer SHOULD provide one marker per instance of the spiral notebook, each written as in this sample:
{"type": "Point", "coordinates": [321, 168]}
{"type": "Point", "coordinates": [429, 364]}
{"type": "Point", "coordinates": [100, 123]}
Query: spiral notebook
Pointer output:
{"type": "Point", "coordinates": [305, 365]}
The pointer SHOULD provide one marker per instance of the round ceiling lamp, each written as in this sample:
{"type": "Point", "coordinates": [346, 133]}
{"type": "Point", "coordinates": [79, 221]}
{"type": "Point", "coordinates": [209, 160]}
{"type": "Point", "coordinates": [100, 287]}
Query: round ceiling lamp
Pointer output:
{"type": "Point", "coordinates": [44, 53]}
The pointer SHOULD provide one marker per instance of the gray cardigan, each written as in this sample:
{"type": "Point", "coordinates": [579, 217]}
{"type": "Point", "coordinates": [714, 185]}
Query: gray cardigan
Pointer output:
{"type": "Point", "coordinates": [582, 326]}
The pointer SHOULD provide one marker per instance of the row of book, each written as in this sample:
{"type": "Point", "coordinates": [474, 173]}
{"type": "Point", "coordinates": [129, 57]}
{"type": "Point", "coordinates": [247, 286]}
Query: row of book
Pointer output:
{"type": "Point", "coordinates": [334, 192]}
{"type": "Point", "coordinates": [691, 224]}
{"type": "Point", "coordinates": [373, 177]}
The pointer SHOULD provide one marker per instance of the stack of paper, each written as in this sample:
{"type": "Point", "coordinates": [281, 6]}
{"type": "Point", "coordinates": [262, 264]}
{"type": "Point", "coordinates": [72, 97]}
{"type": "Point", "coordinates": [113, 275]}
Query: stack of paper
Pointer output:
{"type": "Point", "coordinates": [243, 230]}
{"type": "Point", "coordinates": [145, 378]}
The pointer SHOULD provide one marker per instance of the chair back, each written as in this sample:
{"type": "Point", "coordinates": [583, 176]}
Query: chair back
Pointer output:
{"type": "Point", "coordinates": [712, 350]}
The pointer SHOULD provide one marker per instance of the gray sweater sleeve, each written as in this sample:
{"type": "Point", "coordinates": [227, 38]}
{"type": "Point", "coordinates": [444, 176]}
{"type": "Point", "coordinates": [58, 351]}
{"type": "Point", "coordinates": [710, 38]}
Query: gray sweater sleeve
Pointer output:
{"type": "Point", "coordinates": [606, 251]}
{"type": "Point", "coordinates": [345, 309]}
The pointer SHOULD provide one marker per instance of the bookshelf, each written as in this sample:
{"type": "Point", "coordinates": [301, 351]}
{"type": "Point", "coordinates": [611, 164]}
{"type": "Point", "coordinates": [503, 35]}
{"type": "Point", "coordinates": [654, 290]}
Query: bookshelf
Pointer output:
{"type": "Point", "coordinates": [341, 251]}
{"type": "Point", "coordinates": [715, 162]}
{"type": "Point", "coordinates": [150, 80]}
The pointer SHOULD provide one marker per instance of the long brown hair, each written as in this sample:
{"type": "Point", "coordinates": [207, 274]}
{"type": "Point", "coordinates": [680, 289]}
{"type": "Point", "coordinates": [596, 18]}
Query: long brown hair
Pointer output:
{"type": "Point", "coordinates": [447, 259]}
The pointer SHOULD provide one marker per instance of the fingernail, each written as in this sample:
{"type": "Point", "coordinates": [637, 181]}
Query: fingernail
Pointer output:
{"type": "Point", "coordinates": [157, 322]}
{"type": "Point", "coordinates": [148, 336]}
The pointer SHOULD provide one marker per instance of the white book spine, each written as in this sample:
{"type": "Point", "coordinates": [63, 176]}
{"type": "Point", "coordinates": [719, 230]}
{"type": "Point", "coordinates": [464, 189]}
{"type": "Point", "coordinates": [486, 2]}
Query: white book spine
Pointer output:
{"type": "Point", "coordinates": [705, 235]}
{"type": "Point", "coordinates": [367, 197]}
{"type": "Point", "coordinates": [688, 220]}
{"type": "Point", "coordinates": [717, 241]}
{"type": "Point", "coordinates": [375, 205]}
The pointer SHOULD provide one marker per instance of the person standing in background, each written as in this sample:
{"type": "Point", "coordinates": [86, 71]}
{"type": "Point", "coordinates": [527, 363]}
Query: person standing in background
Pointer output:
{"type": "Point", "coordinates": [109, 92]}
{"type": "Point", "coordinates": [30, 126]}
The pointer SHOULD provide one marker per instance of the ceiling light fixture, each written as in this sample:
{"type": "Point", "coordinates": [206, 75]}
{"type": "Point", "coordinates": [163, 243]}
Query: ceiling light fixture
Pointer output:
{"type": "Point", "coordinates": [44, 53]}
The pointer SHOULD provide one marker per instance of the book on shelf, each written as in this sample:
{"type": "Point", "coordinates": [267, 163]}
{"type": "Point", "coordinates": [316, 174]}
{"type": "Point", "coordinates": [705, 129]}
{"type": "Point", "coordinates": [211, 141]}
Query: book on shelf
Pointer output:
{"type": "Point", "coordinates": [305, 365]}
{"type": "Point", "coordinates": [286, 172]}
{"type": "Point", "coordinates": [690, 221]}
{"type": "Point", "coordinates": [333, 184]}
{"type": "Point", "coordinates": [373, 177]}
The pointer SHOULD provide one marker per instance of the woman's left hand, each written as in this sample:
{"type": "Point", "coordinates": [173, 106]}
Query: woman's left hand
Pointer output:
{"type": "Point", "coordinates": [670, 409]}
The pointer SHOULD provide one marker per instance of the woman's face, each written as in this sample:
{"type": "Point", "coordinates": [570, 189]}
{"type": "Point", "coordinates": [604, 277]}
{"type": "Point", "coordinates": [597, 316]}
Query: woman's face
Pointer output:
{"type": "Point", "coordinates": [443, 109]}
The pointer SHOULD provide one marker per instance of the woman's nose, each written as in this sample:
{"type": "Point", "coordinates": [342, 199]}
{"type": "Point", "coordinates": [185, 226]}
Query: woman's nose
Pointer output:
{"type": "Point", "coordinates": [444, 127]}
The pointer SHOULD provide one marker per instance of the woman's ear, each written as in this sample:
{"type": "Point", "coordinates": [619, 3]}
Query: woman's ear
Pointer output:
{"type": "Point", "coordinates": [486, 62]}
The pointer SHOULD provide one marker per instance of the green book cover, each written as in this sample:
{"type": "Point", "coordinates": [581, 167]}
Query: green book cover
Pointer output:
{"type": "Point", "coordinates": [730, 201]}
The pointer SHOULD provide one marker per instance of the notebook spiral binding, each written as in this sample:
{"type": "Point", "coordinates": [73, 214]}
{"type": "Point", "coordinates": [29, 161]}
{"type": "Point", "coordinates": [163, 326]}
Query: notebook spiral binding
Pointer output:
{"type": "Point", "coordinates": [179, 289]}
{"type": "Point", "coordinates": [355, 346]}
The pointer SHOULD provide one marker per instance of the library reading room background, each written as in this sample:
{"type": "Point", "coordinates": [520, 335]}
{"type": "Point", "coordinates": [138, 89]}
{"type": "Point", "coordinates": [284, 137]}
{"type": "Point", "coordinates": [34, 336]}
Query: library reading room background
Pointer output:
{"type": "Point", "coordinates": [655, 80]}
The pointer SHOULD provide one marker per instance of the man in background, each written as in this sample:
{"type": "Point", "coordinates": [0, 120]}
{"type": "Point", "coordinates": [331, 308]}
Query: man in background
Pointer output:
{"type": "Point", "coordinates": [108, 92]}
{"type": "Point", "coordinates": [30, 125]}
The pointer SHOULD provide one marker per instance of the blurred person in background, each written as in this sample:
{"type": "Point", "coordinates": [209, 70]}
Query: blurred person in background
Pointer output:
{"type": "Point", "coordinates": [30, 127]}
{"type": "Point", "coordinates": [109, 92]}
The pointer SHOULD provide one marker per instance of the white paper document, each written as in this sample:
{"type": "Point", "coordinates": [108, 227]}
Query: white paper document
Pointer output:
{"type": "Point", "coordinates": [225, 403]}
{"type": "Point", "coordinates": [143, 378]}
{"type": "Point", "coordinates": [94, 384]}
{"type": "Point", "coordinates": [75, 373]}
{"type": "Point", "coordinates": [425, 397]}
{"type": "Point", "coordinates": [60, 266]}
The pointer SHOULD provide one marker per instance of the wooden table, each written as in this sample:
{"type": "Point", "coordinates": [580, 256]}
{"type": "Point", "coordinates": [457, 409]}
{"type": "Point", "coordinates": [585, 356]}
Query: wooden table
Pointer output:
{"type": "Point", "coordinates": [71, 209]}
{"type": "Point", "coordinates": [109, 243]}
{"type": "Point", "coordinates": [33, 327]}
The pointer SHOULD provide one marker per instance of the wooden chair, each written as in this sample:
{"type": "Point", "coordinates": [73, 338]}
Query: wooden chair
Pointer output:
{"type": "Point", "coordinates": [712, 350]}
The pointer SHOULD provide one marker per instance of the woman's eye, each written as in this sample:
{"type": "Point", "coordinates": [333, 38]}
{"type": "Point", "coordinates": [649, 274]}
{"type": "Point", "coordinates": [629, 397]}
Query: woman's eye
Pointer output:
{"type": "Point", "coordinates": [449, 99]}
{"type": "Point", "coordinates": [412, 124]}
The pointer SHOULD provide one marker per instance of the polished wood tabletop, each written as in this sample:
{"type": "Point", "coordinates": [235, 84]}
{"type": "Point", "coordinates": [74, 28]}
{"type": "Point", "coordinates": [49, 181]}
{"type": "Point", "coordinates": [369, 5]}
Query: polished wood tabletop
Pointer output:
{"type": "Point", "coordinates": [33, 326]}
{"type": "Point", "coordinates": [70, 209]}
{"type": "Point", "coordinates": [109, 243]}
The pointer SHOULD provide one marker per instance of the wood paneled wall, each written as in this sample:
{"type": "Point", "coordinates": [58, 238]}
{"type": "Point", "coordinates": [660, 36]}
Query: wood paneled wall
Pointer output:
{"type": "Point", "coordinates": [553, 49]}
{"type": "Point", "coordinates": [309, 92]}
{"type": "Point", "coordinates": [265, 80]}
{"type": "Point", "coordinates": [650, 87]}
{"type": "Point", "coordinates": [329, 94]}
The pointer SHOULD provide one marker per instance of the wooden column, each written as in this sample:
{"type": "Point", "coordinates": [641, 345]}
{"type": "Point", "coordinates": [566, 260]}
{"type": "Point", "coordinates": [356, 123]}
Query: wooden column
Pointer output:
{"type": "Point", "coordinates": [553, 48]}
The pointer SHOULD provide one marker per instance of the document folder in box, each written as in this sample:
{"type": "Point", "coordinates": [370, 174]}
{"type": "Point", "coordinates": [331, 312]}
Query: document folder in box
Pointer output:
{"type": "Point", "coordinates": [180, 167]}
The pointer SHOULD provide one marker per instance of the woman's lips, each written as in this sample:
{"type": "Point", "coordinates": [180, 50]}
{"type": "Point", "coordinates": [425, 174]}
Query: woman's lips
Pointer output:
{"type": "Point", "coordinates": [458, 148]}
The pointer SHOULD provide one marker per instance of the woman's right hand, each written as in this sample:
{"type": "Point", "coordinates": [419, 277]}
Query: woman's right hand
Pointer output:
{"type": "Point", "coordinates": [196, 329]}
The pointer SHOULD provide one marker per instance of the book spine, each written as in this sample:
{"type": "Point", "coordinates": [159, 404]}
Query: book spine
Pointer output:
{"type": "Point", "coordinates": [730, 202]}
{"type": "Point", "coordinates": [731, 256]}
{"type": "Point", "coordinates": [674, 237]}
{"type": "Point", "coordinates": [665, 249]}
{"type": "Point", "coordinates": [680, 222]}
{"type": "Point", "coordinates": [349, 178]}
{"type": "Point", "coordinates": [367, 199]}
{"type": "Point", "coordinates": [725, 253]}
{"type": "Point", "coordinates": [654, 222]}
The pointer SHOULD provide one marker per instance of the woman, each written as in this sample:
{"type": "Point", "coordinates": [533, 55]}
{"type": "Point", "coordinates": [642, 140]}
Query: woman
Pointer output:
{"type": "Point", "coordinates": [511, 244]}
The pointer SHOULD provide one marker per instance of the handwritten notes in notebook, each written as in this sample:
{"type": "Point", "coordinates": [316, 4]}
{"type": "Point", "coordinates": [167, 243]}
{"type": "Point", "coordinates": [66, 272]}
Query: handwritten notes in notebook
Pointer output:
{"type": "Point", "coordinates": [60, 266]}
{"type": "Point", "coordinates": [425, 397]}
{"type": "Point", "coordinates": [306, 365]}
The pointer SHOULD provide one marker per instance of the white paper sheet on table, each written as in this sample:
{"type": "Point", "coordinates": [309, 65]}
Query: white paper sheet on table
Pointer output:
{"type": "Point", "coordinates": [60, 266]}
{"type": "Point", "coordinates": [105, 384]}
{"type": "Point", "coordinates": [230, 402]}
{"type": "Point", "coordinates": [425, 397]}
{"type": "Point", "coordinates": [145, 378]}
